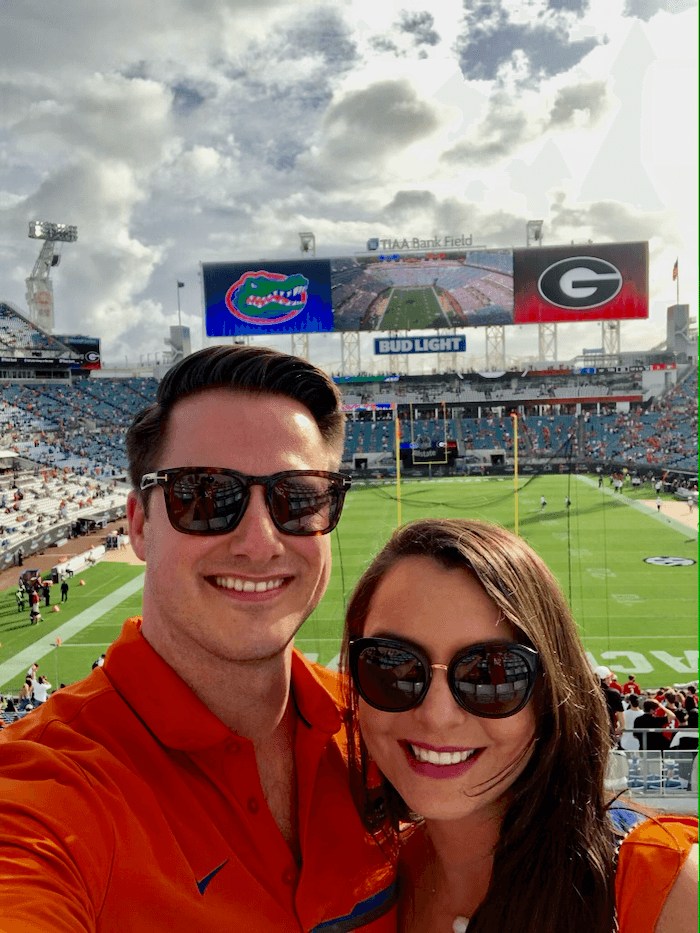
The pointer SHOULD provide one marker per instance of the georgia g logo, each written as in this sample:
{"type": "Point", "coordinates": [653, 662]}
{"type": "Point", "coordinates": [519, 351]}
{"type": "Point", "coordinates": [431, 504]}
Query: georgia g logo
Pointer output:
{"type": "Point", "coordinates": [580, 283]}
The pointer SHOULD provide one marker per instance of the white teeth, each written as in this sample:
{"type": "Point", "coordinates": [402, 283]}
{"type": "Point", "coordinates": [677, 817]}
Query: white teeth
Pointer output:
{"type": "Point", "coordinates": [441, 758]}
{"type": "Point", "coordinates": [247, 586]}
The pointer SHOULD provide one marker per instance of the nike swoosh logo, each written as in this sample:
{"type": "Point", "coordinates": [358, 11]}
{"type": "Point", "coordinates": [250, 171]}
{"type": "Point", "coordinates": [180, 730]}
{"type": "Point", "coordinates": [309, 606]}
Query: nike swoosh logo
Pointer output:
{"type": "Point", "coordinates": [202, 885]}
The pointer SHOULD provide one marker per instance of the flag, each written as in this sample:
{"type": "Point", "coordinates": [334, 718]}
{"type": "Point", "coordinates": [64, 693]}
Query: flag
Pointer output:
{"type": "Point", "coordinates": [182, 284]}
{"type": "Point", "coordinates": [675, 270]}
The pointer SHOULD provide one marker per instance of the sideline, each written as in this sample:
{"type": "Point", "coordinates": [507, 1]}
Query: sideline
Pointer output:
{"type": "Point", "coordinates": [686, 530]}
{"type": "Point", "coordinates": [20, 662]}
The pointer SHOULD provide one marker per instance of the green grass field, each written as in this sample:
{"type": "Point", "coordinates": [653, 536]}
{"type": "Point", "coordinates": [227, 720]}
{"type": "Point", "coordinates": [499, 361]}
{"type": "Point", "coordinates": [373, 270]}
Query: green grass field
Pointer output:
{"type": "Point", "coordinates": [634, 616]}
{"type": "Point", "coordinates": [412, 308]}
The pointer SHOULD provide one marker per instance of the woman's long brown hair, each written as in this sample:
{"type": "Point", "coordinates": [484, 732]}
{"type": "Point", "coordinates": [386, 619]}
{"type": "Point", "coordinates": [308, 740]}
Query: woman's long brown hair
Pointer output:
{"type": "Point", "coordinates": [553, 866]}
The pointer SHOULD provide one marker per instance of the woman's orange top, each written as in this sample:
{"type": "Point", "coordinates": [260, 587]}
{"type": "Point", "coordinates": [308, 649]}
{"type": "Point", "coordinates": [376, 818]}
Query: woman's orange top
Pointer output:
{"type": "Point", "coordinates": [650, 858]}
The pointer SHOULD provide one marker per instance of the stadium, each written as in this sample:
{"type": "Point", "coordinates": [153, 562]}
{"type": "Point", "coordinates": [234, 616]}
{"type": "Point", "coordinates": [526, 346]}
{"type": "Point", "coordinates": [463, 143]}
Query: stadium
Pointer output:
{"type": "Point", "coordinates": [596, 439]}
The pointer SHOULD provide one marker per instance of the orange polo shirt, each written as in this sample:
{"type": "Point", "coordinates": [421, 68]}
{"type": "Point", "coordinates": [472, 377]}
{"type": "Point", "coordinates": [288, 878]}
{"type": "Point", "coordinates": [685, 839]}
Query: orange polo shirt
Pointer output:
{"type": "Point", "coordinates": [126, 805]}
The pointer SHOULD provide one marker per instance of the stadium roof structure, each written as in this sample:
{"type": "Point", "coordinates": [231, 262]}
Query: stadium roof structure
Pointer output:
{"type": "Point", "coordinates": [20, 337]}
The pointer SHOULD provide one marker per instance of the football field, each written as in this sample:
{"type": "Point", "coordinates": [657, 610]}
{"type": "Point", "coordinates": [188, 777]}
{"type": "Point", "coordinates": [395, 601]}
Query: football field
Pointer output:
{"type": "Point", "coordinates": [629, 574]}
{"type": "Point", "coordinates": [412, 308]}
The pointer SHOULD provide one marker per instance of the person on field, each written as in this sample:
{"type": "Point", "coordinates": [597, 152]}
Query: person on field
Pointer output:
{"type": "Point", "coordinates": [218, 798]}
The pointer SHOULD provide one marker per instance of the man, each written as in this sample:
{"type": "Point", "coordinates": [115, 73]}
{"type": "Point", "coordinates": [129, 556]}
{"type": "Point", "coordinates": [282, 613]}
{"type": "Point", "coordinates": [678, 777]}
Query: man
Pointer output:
{"type": "Point", "coordinates": [196, 781]}
{"type": "Point", "coordinates": [613, 700]}
{"type": "Point", "coordinates": [650, 719]}
{"type": "Point", "coordinates": [64, 591]}
{"type": "Point", "coordinates": [631, 686]}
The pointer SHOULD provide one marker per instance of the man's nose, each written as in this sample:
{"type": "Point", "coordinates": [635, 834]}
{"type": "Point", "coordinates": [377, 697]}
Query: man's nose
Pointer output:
{"type": "Point", "coordinates": [256, 535]}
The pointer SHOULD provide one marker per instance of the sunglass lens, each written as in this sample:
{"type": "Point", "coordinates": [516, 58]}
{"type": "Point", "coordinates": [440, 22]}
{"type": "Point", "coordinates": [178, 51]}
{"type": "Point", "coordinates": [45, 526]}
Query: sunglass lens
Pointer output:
{"type": "Point", "coordinates": [491, 682]}
{"type": "Point", "coordinates": [390, 678]}
{"type": "Point", "coordinates": [304, 505]}
{"type": "Point", "coordinates": [207, 503]}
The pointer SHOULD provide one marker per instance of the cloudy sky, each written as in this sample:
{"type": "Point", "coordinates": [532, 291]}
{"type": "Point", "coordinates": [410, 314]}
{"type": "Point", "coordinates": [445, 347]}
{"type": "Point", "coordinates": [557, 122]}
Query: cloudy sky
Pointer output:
{"type": "Point", "coordinates": [178, 131]}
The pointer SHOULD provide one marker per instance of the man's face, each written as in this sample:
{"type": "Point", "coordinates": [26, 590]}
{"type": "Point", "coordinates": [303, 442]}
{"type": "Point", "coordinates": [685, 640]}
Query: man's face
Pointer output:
{"type": "Point", "coordinates": [198, 602]}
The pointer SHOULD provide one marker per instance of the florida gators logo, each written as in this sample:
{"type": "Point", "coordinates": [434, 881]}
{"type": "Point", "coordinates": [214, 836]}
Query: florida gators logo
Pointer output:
{"type": "Point", "coordinates": [265, 298]}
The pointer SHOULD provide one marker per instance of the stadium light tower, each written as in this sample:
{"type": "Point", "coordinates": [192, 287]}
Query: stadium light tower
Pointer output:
{"type": "Point", "coordinates": [533, 232]}
{"type": "Point", "coordinates": [547, 332]}
{"type": "Point", "coordinates": [39, 286]}
{"type": "Point", "coordinates": [300, 342]}
{"type": "Point", "coordinates": [308, 243]}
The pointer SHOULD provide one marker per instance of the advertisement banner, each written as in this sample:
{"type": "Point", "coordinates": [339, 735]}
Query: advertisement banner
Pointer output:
{"type": "Point", "coordinates": [87, 347]}
{"type": "Point", "coordinates": [593, 282]}
{"type": "Point", "coordinates": [275, 297]}
{"type": "Point", "coordinates": [424, 290]}
{"type": "Point", "coordinates": [420, 345]}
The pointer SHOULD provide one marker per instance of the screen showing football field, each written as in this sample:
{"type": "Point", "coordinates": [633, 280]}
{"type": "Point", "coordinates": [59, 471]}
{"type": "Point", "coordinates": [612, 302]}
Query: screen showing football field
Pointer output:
{"type": "Point", "coordinates": [450, 289]}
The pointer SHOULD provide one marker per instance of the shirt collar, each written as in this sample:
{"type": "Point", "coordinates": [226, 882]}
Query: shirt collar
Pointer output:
{"type": "Point", "coordinates": [177, 717]}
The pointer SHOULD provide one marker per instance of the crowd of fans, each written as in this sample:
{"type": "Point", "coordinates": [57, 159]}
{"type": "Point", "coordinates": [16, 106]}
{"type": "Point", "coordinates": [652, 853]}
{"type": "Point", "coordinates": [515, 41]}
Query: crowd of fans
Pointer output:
{"type": "Point", "coordinates": [671, 712]}
{"type": "Point", "coordinates": [34, 501]}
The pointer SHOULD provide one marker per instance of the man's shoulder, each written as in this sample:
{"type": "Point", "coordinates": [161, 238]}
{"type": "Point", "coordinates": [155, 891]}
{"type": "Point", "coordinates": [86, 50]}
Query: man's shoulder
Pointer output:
{"type": "Point", "coordinates": [68, 710]}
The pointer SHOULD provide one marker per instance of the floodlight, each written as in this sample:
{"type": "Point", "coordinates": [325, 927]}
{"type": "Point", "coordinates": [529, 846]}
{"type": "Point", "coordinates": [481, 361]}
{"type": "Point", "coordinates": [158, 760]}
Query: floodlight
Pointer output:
{"type": "Point", "coordinates": [44, 230]}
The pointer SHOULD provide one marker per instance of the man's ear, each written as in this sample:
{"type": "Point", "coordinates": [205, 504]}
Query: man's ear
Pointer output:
{"type": "Point", "coordinates": [137, 519]}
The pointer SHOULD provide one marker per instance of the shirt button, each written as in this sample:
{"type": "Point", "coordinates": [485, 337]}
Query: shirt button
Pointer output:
{"type": "Point", "coordinates": [289, 876]}
{"type": "Point", "coordinates": [253, 805]}
{"type": "Point", "coordinates": [232, 747]}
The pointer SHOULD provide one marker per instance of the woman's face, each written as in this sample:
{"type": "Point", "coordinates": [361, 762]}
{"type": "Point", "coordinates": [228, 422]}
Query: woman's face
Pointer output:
{"type": "Point", "coordinates": [442, 611]}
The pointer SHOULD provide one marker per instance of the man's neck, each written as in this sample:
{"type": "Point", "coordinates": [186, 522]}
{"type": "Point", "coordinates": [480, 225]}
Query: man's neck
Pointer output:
{"type": "Point", "coordinates": [250, 697]}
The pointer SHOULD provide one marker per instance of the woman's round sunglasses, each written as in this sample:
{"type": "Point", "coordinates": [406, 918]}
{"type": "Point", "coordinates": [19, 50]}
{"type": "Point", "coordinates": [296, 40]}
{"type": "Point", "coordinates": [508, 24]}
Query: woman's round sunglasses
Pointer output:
{"type": "Point", "coordinates": [212, 501]}
{"type": "Point", "coordinates": [489, 680]}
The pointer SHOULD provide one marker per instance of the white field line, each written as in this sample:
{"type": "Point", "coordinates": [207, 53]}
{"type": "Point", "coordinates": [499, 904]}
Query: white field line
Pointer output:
{"type": "Point", "coordinates": [21, 661]}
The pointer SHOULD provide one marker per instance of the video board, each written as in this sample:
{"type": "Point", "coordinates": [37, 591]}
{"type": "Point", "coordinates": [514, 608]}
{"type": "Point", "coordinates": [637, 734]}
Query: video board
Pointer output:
{"type": "Point", "coordinates": [276, 297]}
{"type": "Point", "coordinates": [429, 290]}
{"type": "Point", "coordinates": [87, 347]}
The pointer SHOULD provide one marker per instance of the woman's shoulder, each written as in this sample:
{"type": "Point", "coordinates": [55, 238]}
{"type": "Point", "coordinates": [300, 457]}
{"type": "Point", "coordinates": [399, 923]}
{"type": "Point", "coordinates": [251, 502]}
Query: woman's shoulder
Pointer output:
{"type": "Point", "coordinates": [655, 854]}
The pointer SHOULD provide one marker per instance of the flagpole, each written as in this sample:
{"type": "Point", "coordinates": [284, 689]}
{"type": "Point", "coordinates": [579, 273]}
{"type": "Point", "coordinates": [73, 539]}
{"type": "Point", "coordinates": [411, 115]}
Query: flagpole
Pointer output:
{"type": "Point", "coordinates": [179, 319]}
{"type": "Point", "coordinates": [678, 285]}
{"type": "Point", "coordinates": [515, 467]}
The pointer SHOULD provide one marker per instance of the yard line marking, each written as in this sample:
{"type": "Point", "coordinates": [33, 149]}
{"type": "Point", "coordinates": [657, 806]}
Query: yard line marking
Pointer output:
{"type": "Point", "coordinates": [18, 663]}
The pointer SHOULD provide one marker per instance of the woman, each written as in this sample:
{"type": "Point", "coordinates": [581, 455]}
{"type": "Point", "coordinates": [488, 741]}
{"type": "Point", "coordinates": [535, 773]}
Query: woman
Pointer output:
{"type": "Point", "coordinates": [484, 744]}
{"type": "Point", "coordinates": [627, 740]}
{"type": "Point", "coordinates": [26, 695]}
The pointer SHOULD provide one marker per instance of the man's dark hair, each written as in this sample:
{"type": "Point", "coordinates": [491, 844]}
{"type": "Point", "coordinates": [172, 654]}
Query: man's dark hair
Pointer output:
{"type": "Point", "coordinates": [252, 370]}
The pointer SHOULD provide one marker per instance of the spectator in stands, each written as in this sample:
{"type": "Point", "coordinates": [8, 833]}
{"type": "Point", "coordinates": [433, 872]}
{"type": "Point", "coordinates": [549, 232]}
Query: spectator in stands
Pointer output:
{"type": "Point", "coordinates": [613, 700]}
{"type": "Point", "coordinates": [236, 786]}
{"type": "Point", "coordinates": [628, 741]}
{"type": "Point", "coordinates": [614, 683]}
{"type": "Point", "coordinates": [9, 714]}
{"type": "Point", "coordinates": [479, 747]}
{"type": "Point", "coordinates": [631, 686]}
{"type": "Point", "coordinates": [40, 690]}
{"type": "Point", "coordinates": [650, 719]}
{"type": "Point", "coordinates": [25, 695]}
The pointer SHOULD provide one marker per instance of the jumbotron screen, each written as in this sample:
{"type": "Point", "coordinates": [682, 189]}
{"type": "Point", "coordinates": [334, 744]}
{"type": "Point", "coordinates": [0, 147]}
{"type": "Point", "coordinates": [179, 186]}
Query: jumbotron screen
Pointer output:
{"type": "Point", "coordinates": [429, 290]}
